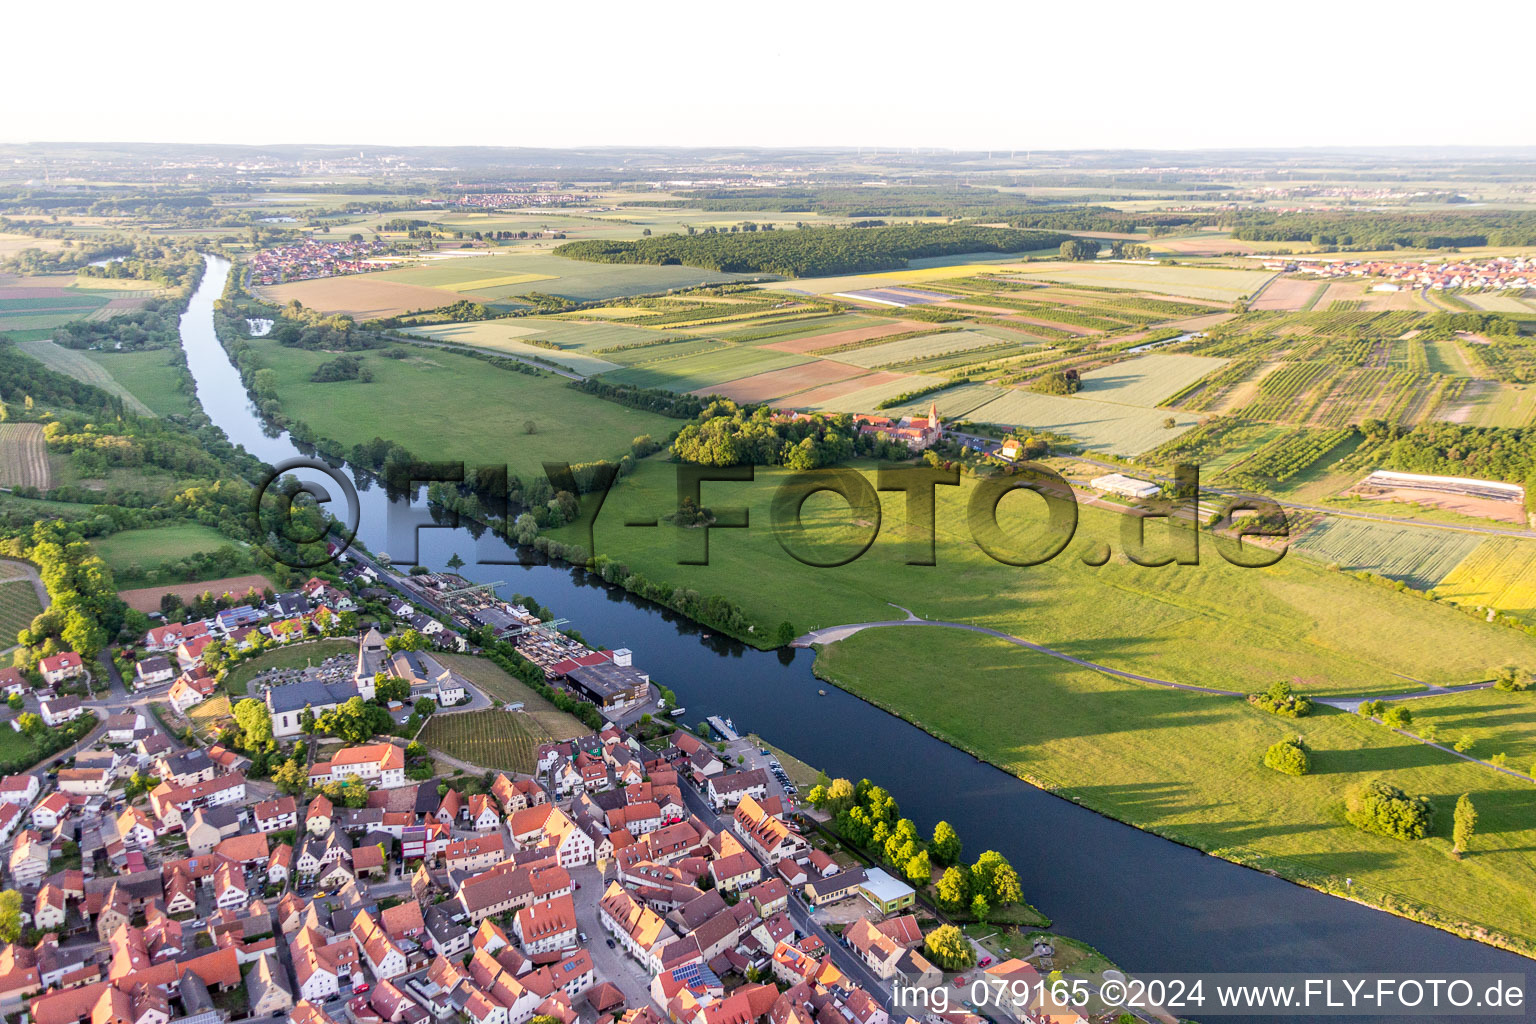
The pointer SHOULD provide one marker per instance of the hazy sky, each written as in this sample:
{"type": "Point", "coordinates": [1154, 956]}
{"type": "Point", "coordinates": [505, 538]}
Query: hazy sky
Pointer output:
{"type": "Point", "coordinates": [967, 75]}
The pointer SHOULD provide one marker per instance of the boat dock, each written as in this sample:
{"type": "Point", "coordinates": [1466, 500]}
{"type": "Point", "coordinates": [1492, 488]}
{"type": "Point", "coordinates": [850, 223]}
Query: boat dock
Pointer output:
{"type": "Point", "coordinates": [724, 726]}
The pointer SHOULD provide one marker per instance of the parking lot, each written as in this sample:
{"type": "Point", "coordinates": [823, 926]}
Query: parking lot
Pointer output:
{"type": "Point", "coordinates": [779, 783]}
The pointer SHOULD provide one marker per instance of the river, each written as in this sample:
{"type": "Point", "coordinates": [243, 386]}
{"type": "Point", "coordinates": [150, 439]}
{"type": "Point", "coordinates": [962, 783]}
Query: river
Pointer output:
{"type": "Point", "coordinates": [1145, 902]}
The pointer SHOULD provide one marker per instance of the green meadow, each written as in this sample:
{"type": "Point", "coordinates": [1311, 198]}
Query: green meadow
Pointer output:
{"type": "Point", "coordinates": [153, 546]}
{"type": "Point", "coordinates": [446, 406]}
{"type": "Point", "coordinates": [1213, 624]}
{"type": "Point", "coordinates": [1189, 766]}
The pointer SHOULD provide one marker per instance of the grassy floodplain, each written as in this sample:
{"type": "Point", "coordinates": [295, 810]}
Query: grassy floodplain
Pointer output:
{"type": "Point", "coordinates": [1213, 624]}
{"type": "Point", "coordinates": [1189, 766]}
{"type": "Point", "coordinates": [442, 405]}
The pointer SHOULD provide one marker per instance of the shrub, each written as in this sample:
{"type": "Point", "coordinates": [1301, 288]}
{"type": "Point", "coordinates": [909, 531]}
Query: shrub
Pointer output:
{"type": "Point", "coordinates": [1288, 757]}
{"type": "Point", "coordinates": [1279, 699]}
{"type": "Point", "coordinates": [1382, 808]}
{"type": "Point", "coordinates": [1512, 679]}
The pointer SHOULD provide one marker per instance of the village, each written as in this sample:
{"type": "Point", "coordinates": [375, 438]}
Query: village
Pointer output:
{"type": "Point", "coordinates": [679, 879]}
{"type": "Point", "coordinates": [313, 259]}
{"type": "Point", "coordinates": [1498, 273]}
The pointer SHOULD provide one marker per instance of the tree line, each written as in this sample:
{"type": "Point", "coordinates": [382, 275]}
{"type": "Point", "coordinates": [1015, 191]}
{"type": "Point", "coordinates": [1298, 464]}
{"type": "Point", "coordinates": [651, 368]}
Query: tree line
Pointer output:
{"type": "Point", "coordinates": [812, 251]}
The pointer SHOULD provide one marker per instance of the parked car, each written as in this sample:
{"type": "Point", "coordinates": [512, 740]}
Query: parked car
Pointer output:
{"type": "Point", "coordinates": [611, 944]}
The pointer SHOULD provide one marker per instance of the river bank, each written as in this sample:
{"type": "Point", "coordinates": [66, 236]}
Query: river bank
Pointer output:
{"type": "Point", "coordinates": [1143, 901]}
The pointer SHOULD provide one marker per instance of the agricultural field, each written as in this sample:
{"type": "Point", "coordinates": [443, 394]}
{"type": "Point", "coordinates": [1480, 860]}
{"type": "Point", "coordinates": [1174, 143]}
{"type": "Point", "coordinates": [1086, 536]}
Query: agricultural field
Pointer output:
{"type": "Point", "coordinates": [24, 456]}
{"type": "Point", "coordinates": [1190, 767]}
{"type": "Point", "coordinates": [1498, 573]}
{"type": "Point", "coordinates": [151, 547]}
{"type": "Point", "coordinates": [1146, 380]}
{"type": "Point", "coordinates": [1497, 404]}
{"type": "Point", "coordinates": [29, 307]}
{"type": "Point", "coordinates": [364, 296]}
{"type": "Point", "coordinates": [860, 394]}
{"type": "Point", "coordinates": [504, 336]}
{"type": "Point", "coordinates": [81, 367]}
{"type": "Point", "coordinates": [697, 372]}
{"type": "Point", "coordinates": [1218, 285]}
{"type": "Point", "coordinates": [1499, 303]}
{"type": "Point", "coordinates": [406, 399]}
{"type": "Point", "coordinates": [663, 348]}
{"type": "Point", "coordinates": [524, 270]}
{"type": "Point", "coordinates": [508, 689]}
{"type": "Point", "coordinates": [1285, 456]}
{"type": "Point", "coordinates": [505, 740]}
{"type": "Point", "coordinates": [1418, 556]}
{"type": "Point", "coordinates": [1290, 293]}
{"type": "Point", "coordinates": [147, 599]}
{"type": "Point", "coordinates": [18, 607]}
{"type": "Point", "coordinates": [894, 353]}
{"type": "Point", "coordinates": [845, 333]}
{"type": "Point", "coordinates": [775, 384]}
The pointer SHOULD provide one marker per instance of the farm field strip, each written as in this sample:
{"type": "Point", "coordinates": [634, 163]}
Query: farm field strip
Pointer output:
{"type": "Point", "coordinates": [24, 457]}
{"type": "Point", "coordinates": [1124, 430]}
{"type": "Point", "coordinates": [1500, 573]}
{"type": "Point", "coordinates": [763, 387]}
{"type": "Point", "coordinates": [907, 349]}
{"type": "Point", "coordinates": [1194, 282]}
{"type": "Point", "coordinates": [861, 394]}
{"type": "Point", "coordinates": [501, 336]}
{"type": "Point", "coordinates": [690, 373]}
{"type": "Point", "coordinates": [82, 368]}
{"type": "Point", "coordinates": [845, 335]}
{"type": "Point", "coordinates": [1147, 380]}
{"type": "Point", "coordinates": [660, 353]}
{"type": "Point", "coordinates": [1419, 557]}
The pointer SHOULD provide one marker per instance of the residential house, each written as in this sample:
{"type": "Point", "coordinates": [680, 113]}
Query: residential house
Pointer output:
{"type": "Point", "coordinates": [165, 638]}
{"type": "Point", "coordinates": [547, 926]}
{"type": "Point", "coordinates": [276, 815]}
{"type": "Point", "coordinates": [55, 711]}
{"type": "Point", "coordinates": [61, 667]}
{"type": "Point", "coordinates": [19, 789]}
{"type": "Point", "coordinates": [729, 788]}
{"type": "Point", "coordinates": [152, 672]}
{"type": "Point", "coordinates": [267, 992]}
{"type": "Point", "coordinates": [379, 764]}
